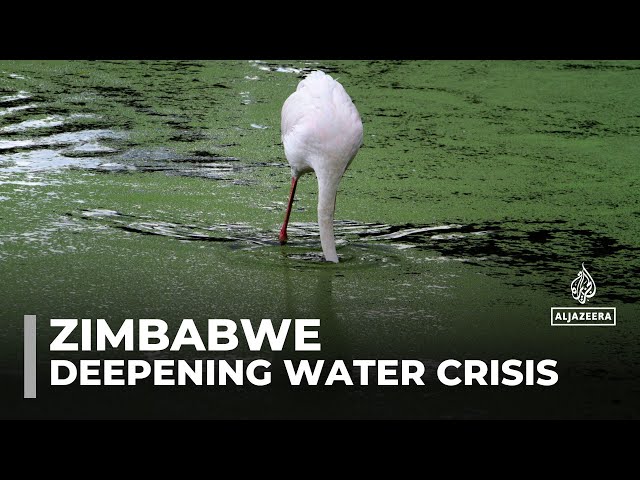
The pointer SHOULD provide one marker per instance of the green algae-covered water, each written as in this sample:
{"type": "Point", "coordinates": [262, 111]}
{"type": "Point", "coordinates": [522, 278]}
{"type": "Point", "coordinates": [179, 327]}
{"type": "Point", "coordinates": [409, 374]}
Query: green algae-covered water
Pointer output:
{"type": "Point", "coordinates": [156, 189]}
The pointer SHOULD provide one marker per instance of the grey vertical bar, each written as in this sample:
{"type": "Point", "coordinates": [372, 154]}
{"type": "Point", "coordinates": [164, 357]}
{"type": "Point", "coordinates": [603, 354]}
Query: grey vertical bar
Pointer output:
{"type": "Point", "coordinates": [29, 356]}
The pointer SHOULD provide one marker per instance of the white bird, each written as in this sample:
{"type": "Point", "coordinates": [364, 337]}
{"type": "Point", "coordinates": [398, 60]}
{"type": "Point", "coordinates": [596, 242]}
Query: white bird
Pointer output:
{"type": "Point", "coordinates": [321, 131]}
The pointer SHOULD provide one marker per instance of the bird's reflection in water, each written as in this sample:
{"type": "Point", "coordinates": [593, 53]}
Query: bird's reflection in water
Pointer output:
{"type": "Point", "coordinates": [324, 309]}
{"type": "Point", "coordinates": [309, 294]}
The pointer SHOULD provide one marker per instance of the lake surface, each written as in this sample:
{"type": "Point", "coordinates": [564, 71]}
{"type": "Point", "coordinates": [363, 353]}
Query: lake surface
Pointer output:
{"type": "Point", "coordinates": [133, 189]}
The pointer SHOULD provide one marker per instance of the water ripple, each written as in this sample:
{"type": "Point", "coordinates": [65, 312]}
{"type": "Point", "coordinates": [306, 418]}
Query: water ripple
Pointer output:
{"type": "Point", "coordinates": [537, 250]}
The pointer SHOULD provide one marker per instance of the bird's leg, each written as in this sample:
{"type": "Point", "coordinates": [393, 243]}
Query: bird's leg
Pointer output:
{"type": "Point", "coordinates": [283, 230]}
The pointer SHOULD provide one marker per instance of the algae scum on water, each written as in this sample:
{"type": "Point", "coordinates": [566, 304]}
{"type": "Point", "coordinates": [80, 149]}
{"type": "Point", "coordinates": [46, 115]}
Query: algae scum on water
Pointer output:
{"type": "Point", "coordinates": [157, 188]}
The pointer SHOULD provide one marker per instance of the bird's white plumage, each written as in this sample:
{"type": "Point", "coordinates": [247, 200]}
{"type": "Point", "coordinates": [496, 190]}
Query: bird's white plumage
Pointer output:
{"type": "Point", "coordinates": [321, 127]}
{"type": "Point", "coordinates": [321, 131]}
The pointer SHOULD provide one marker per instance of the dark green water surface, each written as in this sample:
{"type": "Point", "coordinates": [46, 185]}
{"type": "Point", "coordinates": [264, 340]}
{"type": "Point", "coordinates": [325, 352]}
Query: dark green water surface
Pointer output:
{"type": "Point", "coordinates": [156, 190]}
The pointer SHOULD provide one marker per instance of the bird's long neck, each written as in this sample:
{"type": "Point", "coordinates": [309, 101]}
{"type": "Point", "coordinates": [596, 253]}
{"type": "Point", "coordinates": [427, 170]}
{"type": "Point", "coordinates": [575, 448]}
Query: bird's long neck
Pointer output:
{"type": "Point", "coordinates": [327, 189]}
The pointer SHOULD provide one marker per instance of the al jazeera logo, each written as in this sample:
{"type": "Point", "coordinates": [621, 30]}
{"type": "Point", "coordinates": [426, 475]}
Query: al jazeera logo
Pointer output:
{"type": "Point", "coordinates": [583, 289]}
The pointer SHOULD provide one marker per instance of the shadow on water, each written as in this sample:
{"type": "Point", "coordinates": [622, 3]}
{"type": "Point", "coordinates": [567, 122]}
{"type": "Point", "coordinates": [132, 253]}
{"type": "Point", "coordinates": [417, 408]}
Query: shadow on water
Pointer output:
{"type": "Point", "coordinates": [521, 252]}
